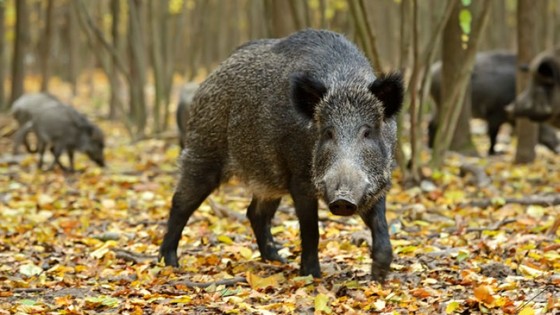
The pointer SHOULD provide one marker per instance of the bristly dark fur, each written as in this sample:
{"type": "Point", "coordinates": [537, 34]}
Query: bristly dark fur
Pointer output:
{"type": "Point", "coordinates": [294, 116]}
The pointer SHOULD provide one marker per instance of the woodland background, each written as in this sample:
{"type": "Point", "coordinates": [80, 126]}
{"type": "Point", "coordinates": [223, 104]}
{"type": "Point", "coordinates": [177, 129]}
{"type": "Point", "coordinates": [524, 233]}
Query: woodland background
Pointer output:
{"type": "Point", "coordinates": [470, 233]}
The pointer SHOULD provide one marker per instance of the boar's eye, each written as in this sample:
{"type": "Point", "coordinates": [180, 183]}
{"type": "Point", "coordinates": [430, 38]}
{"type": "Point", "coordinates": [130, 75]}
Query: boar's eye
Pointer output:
{"type": "Point", "coordinates": [328, 134]}
{"type": "Point", "coordinates": [367, 132]}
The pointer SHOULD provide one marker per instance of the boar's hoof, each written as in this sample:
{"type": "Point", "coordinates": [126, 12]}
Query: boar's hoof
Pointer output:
{"type": "Point", "coordinates": [170, 259]}
{"type": "Point", "coordinates": [342, 207]}
{"type": "Point", "coordinates": [315, 271]}
{"type": "Point", "coordinates": [379, 273]}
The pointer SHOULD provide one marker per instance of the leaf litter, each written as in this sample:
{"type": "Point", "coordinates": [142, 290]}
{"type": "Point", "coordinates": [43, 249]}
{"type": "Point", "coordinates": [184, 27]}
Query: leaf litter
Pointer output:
{"type": "Point", "coordinates": [87, 243]}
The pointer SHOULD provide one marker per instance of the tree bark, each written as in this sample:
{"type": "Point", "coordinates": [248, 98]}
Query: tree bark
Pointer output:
{"type": "Point", "coordinates": [527, 45]}
{"type": "Point", "coordinates": [114, 82]}
{"type": "Point", "coordinates": [456, 71]}
{"type": "Point", "coordinates": [46, 47]}
{"type": "Point", "coordinates": [137, 67]}
{"type": "Point", "coordinates": [365, 33]}
{"type": "Point", "coordinates": [405, 37]}
{"type": "Point", "coordinates": [20, 43]}
{"type": "Point", "coordinates": [3, 105]}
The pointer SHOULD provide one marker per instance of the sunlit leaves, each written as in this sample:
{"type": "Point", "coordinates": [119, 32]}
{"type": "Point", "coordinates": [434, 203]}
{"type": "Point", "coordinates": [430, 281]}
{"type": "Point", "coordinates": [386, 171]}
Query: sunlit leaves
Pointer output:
{"type": "Point", "coordinates": [88, 242]}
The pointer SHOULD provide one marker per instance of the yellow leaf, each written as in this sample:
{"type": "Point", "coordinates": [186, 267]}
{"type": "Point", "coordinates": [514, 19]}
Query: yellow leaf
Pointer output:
{"type": "Point", "coordinates": [322, 303]}
{"type": "Point", "coordinates": [277, 229]}
{"type": "Point", "coordinates": [527, 311]}
{"type": "Point", "coordinates": [257, 282]}
{"type": "Point", "coordinates": [530, 272]}
{"type": "Point", "coordinates": [225, 239]}
{"type": "Point", "coordinates": [452, 307]}
{"type": "Point", "coordinates": [181, 299]}
{"type": "Point", "coordinates": [246, 252]}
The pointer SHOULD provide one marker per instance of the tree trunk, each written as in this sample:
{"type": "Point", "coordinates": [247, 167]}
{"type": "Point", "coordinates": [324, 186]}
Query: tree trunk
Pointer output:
{"type": "Point", "coordinates": [46, 47]}
{"type": "Point", "coordinates": [280, 23]}
{"type": "Point", "coordinates": [456, 71]}
{"type": "Point", "coordinates": [405, 37]}
{"type": "Point", "coordinates": [20, 43]}
{"type": "Point", "coordinates": [157, 60]}
{"type": "Point", "coordinates": [527, 48]}
{"type": "Point", "coordinates": [3, 105]}
{"type": "Point", "coordinates": [137, 67]}
{"type": "Point", "coordinates": [72, 37]}
{"type": "Point", "coordinates": [113, 76]}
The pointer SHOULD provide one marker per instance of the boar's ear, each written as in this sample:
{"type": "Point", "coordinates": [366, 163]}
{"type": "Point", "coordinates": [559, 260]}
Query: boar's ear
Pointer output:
{"type": "Point", "coordinates": [88, 129]}
{"type": "Point", "coordinates": [306, 92]}
{"type": "Point", "coordinates": [548, 72]}
{"type": "Point", "coordinates": [389, 90]}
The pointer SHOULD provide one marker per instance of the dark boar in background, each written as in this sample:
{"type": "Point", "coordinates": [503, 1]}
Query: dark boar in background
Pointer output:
{"type": "Point", "coordinates": [302, 115]}
{"type": "Point", "coordinates": [540, 101]}
{"type": "Point", "coordinates": [492, 89]}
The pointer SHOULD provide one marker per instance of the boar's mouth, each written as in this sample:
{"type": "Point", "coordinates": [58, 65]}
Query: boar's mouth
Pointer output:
{"type": "Point", "coordinates": [343, 205]}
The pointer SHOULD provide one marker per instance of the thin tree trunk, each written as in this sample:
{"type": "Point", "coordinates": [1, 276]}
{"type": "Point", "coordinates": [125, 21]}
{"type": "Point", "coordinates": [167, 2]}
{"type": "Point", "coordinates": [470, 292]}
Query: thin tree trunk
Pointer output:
{"type": "Point", "coordinates": [19, 50]}
{"type": "Point", "coordinates": [458, 77]}
{"type": "Point", "coordinates": [3, 103]}
{"type": "Point", "coordinates": [137, 68]}
{"type": "Point", "coordinates": [527, 131]}
{"type": "Point", "coordinates": [114, 82]}
{"type": "Point", "coordinates": [71, 38]}
{"type": "Point", "coordinates": [414, 141]}
{"type": "Point", "coordinates": [156, 57]}
{"type": "Point", "coordinates": [403, 63]}
{"type": "Point", "coordinates": [46, 47]}
{"type": "Point", "coordinates": [365, 32]}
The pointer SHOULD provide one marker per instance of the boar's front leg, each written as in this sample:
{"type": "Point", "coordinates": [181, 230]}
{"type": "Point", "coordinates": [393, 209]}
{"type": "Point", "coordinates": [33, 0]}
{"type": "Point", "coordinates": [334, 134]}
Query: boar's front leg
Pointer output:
{"type": "Point", "coordinates": [307, 213]}
{"type": "Point", "coordinates": [381, 251]}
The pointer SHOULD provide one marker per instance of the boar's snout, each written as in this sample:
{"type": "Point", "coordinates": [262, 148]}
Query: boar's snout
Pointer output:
{"type": "Point", "coordinates": [343, 206]}
{"type": "Point", "coordinates": [345, 189]}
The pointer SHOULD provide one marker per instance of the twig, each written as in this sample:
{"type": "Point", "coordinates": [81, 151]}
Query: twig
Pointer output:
{"type": "Point", "coordinates": [226, 282]}
{"type": "Point", "coordinates": [549, 200]}
{"type": "Point", "coordinates": [132, 256]}
{"type": "Point", "coordinates": [494, 227]}
{"type": "Point", "coordinates": [528, 301]}
{"type": "Point", "coordinates": [28, 290]}
{"type": "Point", "coordinates": [223, 211]}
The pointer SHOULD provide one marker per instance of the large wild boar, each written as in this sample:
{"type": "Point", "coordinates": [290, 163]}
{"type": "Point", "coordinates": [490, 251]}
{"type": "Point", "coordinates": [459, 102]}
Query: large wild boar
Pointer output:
{"type": "Point", "coordinates": [303, 115]}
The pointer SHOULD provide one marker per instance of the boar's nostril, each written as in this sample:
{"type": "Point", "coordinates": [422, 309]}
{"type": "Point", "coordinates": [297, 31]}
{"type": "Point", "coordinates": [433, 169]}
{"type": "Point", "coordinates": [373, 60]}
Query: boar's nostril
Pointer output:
{"type": "Point", "coordinates": [342, 207]}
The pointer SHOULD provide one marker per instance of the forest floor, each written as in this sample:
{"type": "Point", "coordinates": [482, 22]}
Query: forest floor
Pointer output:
{"type": "Point", "coordinates": [87, 242]}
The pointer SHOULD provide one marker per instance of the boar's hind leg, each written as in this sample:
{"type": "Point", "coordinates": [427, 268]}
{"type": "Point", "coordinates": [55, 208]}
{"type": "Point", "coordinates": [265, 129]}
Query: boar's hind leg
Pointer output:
{"type": "Point", "coordinates": [260, 214]}
{"type": "Point", "coordinates": [198, 179]}
{"type": "Point", "coordinates": [381, 251]}
{"type": "Point", "coordinates": [548, 138]}
{"type": "Point", "coordinates": [306, 211]}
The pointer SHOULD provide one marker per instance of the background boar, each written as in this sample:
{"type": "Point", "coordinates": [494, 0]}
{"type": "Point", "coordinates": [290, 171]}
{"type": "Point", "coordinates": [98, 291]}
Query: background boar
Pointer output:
{"type": "Point", "coordinates": [61, 128]}
{"type": "Point", "coordinates": [492, 89]}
